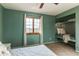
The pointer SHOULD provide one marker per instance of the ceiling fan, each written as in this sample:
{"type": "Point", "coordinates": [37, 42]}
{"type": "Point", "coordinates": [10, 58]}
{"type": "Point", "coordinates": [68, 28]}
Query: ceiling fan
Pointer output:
{"type": "Point", "coordinates": [42, 4]}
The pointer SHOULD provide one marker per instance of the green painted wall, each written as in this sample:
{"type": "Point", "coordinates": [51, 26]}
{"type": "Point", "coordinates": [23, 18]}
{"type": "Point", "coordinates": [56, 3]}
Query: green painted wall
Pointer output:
{"type": "Point", "coordinates": [1, 11]}
{"type": "Point", "coordinates": [33, 39]}
{"type": "Point", "coordinates": [77, 29]}
{"type": "Point", "coordinates": [48, 26]}
{"type": "Point", "coordinates": [48, 29]}
{"type": "Point", "coordinates": [13, 26]}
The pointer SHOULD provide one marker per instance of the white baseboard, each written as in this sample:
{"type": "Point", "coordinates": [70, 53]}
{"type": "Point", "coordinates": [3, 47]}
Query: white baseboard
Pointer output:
{"type": "Point", "coordinates": [50, 42]}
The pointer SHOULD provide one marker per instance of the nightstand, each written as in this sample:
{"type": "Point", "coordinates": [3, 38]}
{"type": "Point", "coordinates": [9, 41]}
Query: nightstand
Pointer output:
{"type": "Point", "coordinates": [8, 45]}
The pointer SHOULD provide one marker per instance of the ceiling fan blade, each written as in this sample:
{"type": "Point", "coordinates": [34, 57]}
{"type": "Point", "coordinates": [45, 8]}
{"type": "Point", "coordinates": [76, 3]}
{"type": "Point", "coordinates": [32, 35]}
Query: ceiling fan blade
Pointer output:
{"type": "Point", "coordinates": [41, 5]}
{"type": "Point", "coordinates": [56, 3]}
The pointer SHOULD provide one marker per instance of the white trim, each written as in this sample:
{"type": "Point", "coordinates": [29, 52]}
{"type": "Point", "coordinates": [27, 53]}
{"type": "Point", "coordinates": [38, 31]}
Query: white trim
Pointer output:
{"type": "Point", "coordinates": [25, 37]}
{"type": "Point", "coordinates": [41, 37]}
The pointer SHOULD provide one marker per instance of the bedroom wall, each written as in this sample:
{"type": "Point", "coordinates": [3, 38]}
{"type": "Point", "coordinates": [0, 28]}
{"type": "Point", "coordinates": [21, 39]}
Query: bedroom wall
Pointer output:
{"type": "Point", "coordinates": [77, 29]}
{"type": "Point", "coordinates": [1, 11]}
{"type": "Point", "coordinates": [48, 29]}
{"type": "Point", "coordinates": [69, 12]}
{"type": "Point", "coordinates": [13, 27]}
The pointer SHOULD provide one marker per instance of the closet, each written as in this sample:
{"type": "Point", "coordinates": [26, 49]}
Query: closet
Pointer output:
{"type": "Point", "coordinates": [65, 30]}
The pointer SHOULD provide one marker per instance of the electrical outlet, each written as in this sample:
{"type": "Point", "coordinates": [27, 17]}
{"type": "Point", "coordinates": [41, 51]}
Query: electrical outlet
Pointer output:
{"type": "Point", "coordinates": [50, 38]}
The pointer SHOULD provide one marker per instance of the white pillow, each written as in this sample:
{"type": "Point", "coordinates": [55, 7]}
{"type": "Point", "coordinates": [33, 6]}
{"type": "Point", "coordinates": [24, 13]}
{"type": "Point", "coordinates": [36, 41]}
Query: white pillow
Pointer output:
{"type": "Point", "coordinates": [0, 42]}
{"type": "Point", "coordinates": [4, 51]}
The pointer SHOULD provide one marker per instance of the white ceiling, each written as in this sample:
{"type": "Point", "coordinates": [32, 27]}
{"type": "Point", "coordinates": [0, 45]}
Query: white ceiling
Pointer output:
{"type": "Point", "coordinates": [48, 8]}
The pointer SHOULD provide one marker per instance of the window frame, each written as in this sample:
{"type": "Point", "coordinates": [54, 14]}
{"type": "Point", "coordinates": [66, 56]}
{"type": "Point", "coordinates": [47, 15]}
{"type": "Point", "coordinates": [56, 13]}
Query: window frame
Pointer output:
{"type": "Point", "coordinates": [33, 26]}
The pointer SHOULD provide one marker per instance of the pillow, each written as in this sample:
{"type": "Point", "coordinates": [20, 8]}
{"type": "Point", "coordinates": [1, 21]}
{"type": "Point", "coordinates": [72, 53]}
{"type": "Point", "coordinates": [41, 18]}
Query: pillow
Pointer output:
{"type": "Point", "coordinates": [4, 51]}
{"type": "Point", "coordinates": [0, 42]}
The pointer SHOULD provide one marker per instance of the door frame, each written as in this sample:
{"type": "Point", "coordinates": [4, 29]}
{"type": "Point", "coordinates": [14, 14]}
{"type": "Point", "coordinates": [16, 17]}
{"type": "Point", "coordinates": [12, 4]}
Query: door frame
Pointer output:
{"type": "Point", "coordinates": [41, 32]}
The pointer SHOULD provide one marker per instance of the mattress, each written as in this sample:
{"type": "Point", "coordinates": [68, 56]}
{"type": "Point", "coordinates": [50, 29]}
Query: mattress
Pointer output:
{"type": "Point", "coordinates": [40, 50]}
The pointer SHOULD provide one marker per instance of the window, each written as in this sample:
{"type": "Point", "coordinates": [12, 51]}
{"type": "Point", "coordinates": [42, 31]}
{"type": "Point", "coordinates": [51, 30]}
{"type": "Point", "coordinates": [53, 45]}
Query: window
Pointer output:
{"type": "Point", "coordinates": [32, 25]}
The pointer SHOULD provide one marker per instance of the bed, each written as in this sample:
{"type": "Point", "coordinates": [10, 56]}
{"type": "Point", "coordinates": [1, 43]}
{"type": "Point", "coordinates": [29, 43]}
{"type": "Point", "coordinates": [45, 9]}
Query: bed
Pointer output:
{"type": "Point", "coordinates": [40, 50]}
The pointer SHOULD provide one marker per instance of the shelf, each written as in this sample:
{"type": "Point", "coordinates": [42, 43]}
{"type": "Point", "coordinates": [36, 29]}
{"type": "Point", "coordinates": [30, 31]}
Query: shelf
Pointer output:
{"type": "Point", "coordinates": [72, 40]}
